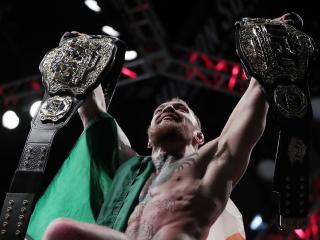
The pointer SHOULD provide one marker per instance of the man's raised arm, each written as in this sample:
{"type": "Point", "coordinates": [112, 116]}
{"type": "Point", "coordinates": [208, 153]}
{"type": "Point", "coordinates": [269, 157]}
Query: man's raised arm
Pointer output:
{"type": "Point", "coordinates": [229, 154]}
{"type": "Point", "coordinates": [243, 129]}
{"type": "Point", "coordinates": [91, 108]}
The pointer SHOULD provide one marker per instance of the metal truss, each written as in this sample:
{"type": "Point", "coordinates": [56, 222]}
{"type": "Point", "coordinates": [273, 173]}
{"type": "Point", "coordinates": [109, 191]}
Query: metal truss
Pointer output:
{"type": "Point", "coordinates": [173, 62]}
{"type": "Point", "coordinates": [157, 58]}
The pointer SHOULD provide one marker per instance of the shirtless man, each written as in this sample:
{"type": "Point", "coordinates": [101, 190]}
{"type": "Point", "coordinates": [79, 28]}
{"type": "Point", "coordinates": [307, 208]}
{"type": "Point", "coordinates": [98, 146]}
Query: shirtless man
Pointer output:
{"type": "Point", "coordinates": [191, 185]}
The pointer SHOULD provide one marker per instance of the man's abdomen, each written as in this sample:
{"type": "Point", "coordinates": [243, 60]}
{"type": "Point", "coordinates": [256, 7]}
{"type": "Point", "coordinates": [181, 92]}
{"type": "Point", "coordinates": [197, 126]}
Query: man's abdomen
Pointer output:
{"type": "Point", "coordinates": [175, 208]}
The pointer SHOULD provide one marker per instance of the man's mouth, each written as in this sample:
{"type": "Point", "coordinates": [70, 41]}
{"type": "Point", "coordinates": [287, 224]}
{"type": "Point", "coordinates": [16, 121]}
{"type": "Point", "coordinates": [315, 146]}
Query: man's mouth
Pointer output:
{"type": "Point", "coordinates": [169, 117]}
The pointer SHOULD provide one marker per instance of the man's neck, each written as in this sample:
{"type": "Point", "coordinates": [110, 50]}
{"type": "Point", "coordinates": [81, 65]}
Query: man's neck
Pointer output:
{"type": "Point", "coordinates": [160, 156]}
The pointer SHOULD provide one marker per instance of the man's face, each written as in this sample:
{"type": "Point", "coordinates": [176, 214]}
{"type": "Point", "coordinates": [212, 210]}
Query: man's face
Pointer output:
{"type": "Point", "coordinates": [172, 122]}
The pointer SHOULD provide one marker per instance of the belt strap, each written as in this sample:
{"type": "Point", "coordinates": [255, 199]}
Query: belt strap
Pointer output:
{"type": "Point", "coordinates": [69, 73]}
{"type": "Point", "coordinates": [278, 55]}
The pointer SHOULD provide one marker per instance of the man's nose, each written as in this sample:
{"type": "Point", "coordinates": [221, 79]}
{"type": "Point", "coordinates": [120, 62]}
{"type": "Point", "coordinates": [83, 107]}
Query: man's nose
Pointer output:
{"type": "Point", "coordinates": [169, 108]}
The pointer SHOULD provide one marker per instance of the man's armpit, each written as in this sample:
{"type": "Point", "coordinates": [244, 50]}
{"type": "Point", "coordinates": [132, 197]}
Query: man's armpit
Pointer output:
{"type": "Point", "coordinates": [125, 153]}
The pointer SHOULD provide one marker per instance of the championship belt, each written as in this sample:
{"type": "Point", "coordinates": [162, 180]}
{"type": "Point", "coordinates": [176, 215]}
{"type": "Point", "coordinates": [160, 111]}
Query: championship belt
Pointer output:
{"type": "Point", "coordinates": [278, 55]}
{"type": "Point", "coordinates": [69, 73]}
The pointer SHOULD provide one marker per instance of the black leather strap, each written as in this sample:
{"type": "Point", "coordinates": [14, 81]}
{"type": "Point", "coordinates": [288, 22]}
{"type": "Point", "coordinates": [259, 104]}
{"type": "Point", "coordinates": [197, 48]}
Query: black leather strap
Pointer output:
{"type": "Point", "coordinates": [15, 214]}
{"type": "Point", "coordinates": [70, 72]}
{"type": "Point", "coordinates": [278, 55]}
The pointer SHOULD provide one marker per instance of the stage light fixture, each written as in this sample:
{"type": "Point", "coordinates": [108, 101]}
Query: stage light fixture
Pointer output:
{"type": "Point", "coordinates": [130, 55]}
{"type": "Point", "coordinates": [93, 5]}
{"type": "Point", "coordinates": [256, 222]}
{"type": "Point", "coordinates": [10, 120]}
{"type": "Point", "coordinates": [315, 102]}
{"type": "Point", "coordinates": [110, 31]}
{"type": "Point", "coordinates": [128, 72]}
{"type": "Point", "coordinates": [265, 169]}
{"type": "Point", "coordinates": [34, 108]}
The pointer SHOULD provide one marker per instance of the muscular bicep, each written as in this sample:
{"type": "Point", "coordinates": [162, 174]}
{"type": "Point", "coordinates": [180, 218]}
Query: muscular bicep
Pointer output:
{"type": "Point", "coordinates": [217, 184]}
{"type": "Point", "coordinates": [225, 167]}
{"type": "Point", "coordinates": [222, 172]}
{"type": "Point", "coordinates": [242, 131]}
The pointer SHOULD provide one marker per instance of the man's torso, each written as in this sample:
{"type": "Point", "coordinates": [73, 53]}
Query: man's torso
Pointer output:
{"type": "Point", "coordinates": [173, 203]}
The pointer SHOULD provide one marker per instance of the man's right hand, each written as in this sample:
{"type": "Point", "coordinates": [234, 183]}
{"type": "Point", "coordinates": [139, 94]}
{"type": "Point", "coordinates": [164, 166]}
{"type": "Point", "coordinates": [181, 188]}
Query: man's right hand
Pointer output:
{"type": "Point", "coordinates": [92, 106]}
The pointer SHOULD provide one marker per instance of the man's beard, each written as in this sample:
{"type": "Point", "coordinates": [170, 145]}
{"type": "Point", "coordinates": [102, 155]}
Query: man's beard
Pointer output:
{"type": "Point", "coordinates": [170, 133]}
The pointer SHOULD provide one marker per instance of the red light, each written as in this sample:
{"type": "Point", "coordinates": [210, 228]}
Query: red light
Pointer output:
{"type": "Point", "coordinates": [243, 75]}
{"type": "Point", "coordinates": [312, 231]}
{"type": "Point", "coordinates": [235, 70]}
{"type": "Point", "coordinates": [300, 233]}
{"type": "Point", "coordinates": [193, 57]}
{"type": "Point", "coordinates": [207, 61]}
{"type": "Point", "coordinates": [131, 74]}
{"type": "Point", "coordinates": [221, 65]}
{"type": "Point", "coordinates": [35, 85]}
{"type": "Point", "coordinates": [202, 77]}
{"type": "Point", "coordinates": [314, 225]}
{"type": "Point", "coordinates": [233, 78]}
{"type": "Point", "coordinates": [232, 82]}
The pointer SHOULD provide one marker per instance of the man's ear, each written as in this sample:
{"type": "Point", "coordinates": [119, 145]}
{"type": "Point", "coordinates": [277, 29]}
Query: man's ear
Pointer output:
{"type": "Point", "coordinates": [198, 138]}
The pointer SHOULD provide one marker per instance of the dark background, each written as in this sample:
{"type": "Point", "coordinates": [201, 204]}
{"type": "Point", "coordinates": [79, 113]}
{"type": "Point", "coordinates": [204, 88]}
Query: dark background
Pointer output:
{"type": "Point", "coordinates": [28, 29]}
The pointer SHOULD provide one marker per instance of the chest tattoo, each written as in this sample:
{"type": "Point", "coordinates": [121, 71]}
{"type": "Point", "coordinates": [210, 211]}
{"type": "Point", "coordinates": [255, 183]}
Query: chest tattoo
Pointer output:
{"type": "Point", "coordinates": [145, 189]}
{"type": "Point", "coordinates": [145, 231]}
{"type": "Point", "coordinates": [168, 170]}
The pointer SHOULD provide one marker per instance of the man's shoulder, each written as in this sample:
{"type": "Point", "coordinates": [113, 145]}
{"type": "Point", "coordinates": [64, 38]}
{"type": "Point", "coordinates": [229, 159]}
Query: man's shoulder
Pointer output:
{"type": "Point", "coordinates": [211, 146]}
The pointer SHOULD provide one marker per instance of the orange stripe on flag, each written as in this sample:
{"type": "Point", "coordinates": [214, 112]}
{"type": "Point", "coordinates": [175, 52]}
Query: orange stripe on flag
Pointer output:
{"type": "Point", "coordinates": [236, 236]}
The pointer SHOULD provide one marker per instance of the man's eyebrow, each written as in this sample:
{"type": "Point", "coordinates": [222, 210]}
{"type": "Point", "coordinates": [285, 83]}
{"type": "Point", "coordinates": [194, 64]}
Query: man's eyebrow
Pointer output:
{"type": "Point", "coordinates": [159, 107]}
{"type": "Point", "coordinates": [181, 104]}
{"type": "Point", "coordinates": [175, 103]}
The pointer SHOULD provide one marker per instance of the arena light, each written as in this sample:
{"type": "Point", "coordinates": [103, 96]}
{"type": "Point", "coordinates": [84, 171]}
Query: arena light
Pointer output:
{"type": "Point", "coordinates": [221, 66]}
{"type": "Point", "coordinates": [130, 55]}
{"type": "Point", "coordinates": [93, 5]}
{"type": "Point", "coordinates": [10, 120]}
{"type": "Point", "coordinates": [110, 31]}
{"type": "Point", "coordinates": [301, 234]}
{"type": "Point", "coordinates": [128, 72]}
{"type": "Point", "coordinates": [232, 82]}
{"type": "Point", "coordinates": [256, 222]}
{"type": "Point", "coordinates": [315, 102]}
{"type": "Point", "coordinates": [265, 169]}
{"type": "Point", "coordinates": [34, 108]}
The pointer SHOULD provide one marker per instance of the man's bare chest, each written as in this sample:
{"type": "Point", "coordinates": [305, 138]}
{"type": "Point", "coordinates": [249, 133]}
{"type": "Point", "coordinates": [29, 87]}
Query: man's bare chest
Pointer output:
{"type": "Point", "coordinates": [169, 196]}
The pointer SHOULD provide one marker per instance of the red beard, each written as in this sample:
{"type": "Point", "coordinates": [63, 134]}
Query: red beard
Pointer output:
{"type": "Point", "coordinates": [169, 133]}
